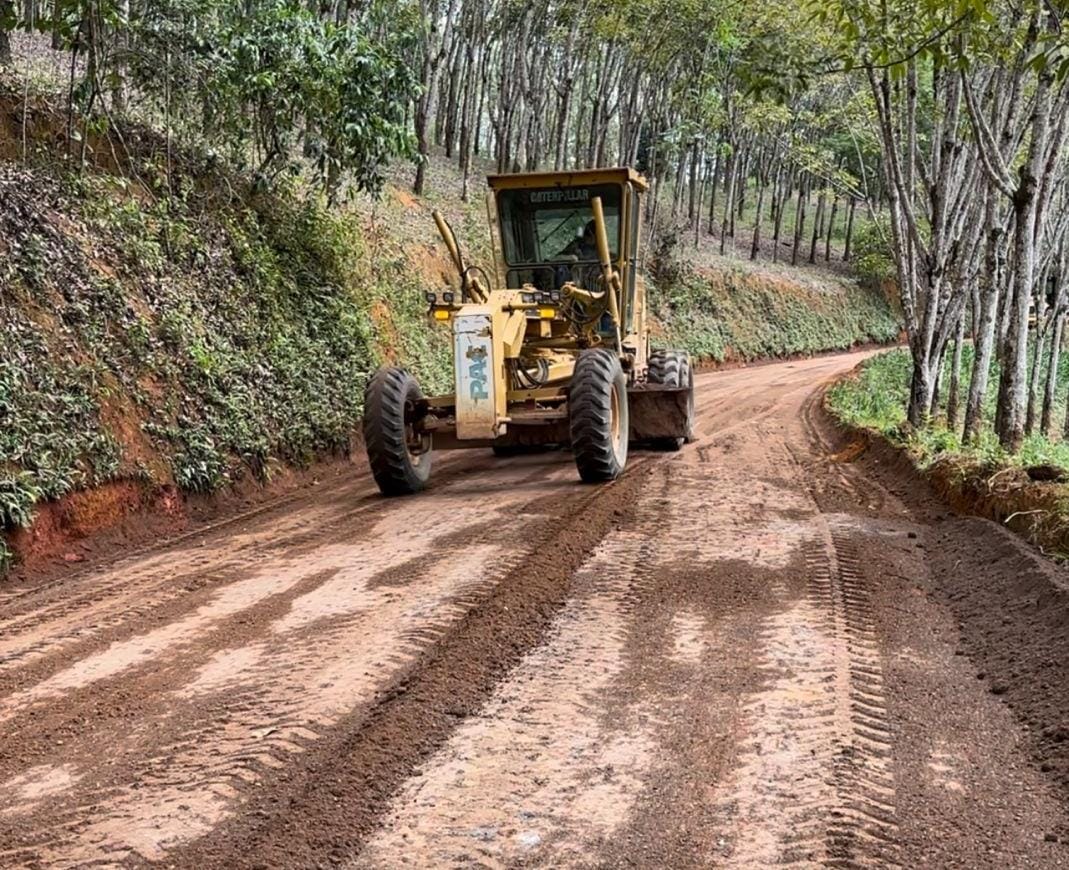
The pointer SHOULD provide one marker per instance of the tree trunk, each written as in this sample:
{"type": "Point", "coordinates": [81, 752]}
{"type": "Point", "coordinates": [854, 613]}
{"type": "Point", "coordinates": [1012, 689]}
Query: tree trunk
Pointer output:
{"type": "Point", "coordinates": [1052, 376]}
{"type": "Point", "coordinates": [677, 186]}
{"type": "Point", "coordinates": [698, 212]}
{"type": "Point", "coordinates": [953, 400]}
{"type": "Point", "coordinates": [987, 324]}
{"type": "Point", "coordinates": [7, 10]}
{"type": "Point", "coordinates": [1033, 381]}
{"type": "Point", "coordinates": [921, 392]}
{"type": "Point", "coordinates": [799, 223]}
{"type": "Point", "coordinates": [1026, 207]}
{"type": "Point", "coordinates": [729, 203]}
{"type": "Point", "coordinates": [831, 229]}
{"type": "Point", "coordinates": [849, 229]}
{"type": "Point", "coordinates": [984, 351]}
{"type": "Point", "coordinates": [755, 249]}
{"type": "Point", "coordinates": [694, 204]}
{"type": "Point", "coordinates": [780, 196]}
{"type": "Point", "coordinates": [818, 226]}
{"type": "Point", "coordinates": [744, 179]}
{"type": "Point", "coordinates": [1014, 381]}
{"type": "Point", "coordinates": [711, 228]}
{"type": "Point", "coordinates": [742, 174]}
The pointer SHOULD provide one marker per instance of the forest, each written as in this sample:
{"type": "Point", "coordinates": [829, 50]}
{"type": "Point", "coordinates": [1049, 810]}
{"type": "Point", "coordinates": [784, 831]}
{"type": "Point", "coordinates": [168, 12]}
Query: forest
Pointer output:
{"type": "Point", "coordinates": [941, 126]}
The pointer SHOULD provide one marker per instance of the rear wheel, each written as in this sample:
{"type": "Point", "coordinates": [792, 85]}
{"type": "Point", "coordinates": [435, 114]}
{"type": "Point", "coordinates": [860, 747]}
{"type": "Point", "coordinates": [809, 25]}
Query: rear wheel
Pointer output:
{"type": "Point", "coordinates": [672, 368]}
{"type": "Point", "coordinates": [400, 458]}
{"type": "Point", "coordinates": [598, 416]}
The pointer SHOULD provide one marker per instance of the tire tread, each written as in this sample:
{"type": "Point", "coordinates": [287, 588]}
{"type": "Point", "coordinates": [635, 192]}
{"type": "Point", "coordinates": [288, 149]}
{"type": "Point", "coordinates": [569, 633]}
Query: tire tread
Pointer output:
{"type": "Point", "coordinates": [597, 374]}
{"type": "Point", "coordinates": [384, 433]}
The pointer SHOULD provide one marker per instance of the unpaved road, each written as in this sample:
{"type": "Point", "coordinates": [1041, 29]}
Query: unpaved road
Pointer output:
{"type": "Point", "coordinates": [757, 652]}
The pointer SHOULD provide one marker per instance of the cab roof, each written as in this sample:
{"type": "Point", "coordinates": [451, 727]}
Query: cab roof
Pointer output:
{"type": "Point", "coordinates": [578, 178]}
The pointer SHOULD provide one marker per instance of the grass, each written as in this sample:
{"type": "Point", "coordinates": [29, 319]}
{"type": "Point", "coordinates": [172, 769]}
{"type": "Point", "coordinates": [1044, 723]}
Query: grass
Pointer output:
{"type": "Point", "coordinates": [877, 397]}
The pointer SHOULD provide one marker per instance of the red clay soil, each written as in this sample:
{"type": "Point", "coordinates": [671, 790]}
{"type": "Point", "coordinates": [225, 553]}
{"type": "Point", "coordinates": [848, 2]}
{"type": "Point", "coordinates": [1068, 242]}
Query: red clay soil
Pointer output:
{"type": "Point", "coordinates": [89, 527]}
{"type": "Point", "coordinates": [769, 648]}
{"type": "Point", "coordinates": [1011, 603]}
{"type": "Point", "coordinates": [60, 525]}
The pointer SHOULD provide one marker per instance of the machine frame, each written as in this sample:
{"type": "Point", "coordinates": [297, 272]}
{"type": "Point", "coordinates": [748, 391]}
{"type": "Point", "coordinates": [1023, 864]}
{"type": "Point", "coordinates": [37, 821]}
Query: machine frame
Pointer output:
{"type": "Point", "coordinates": [516, 349]}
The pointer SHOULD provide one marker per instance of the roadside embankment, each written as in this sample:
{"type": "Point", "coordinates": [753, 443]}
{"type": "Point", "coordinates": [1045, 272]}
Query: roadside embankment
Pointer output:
{"type": "Point", "coordinates": [168, 331]}
{"type": "Point", "coordinates": [1027, 492]}
{"type": "Point", "coordinates": [737, 312]}
{"type": "Point", "coordinates": [986, 557]}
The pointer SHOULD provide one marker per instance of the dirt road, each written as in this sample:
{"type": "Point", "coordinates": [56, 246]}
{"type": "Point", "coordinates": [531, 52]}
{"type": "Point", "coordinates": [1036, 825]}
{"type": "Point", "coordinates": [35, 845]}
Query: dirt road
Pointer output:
{"type": "Point", "coordinates": [755, 652]}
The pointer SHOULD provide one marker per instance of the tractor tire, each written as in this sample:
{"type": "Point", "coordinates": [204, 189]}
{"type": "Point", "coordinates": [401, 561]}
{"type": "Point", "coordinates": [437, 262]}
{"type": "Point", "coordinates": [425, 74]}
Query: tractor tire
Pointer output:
{"type": "Point", "coordinates": [672, 368]}
{"type": "Point", "coordinates": [597, 416]}
{"type": "Point", "coordinates": [399, 464]}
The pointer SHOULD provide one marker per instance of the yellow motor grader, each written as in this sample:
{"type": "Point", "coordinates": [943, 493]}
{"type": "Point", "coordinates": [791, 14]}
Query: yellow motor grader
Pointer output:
{"type": "Point", "coordinates": [551, 349]}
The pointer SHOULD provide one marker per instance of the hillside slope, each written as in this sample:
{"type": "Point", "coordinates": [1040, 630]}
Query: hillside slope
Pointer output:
{"type": "Point", "coordinates": [180, 330]}
{"type": "Point", "coordinates": [735, 311]}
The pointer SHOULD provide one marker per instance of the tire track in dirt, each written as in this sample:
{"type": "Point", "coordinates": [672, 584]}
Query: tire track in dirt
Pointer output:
{"type": "Point", "coordinates": [169, 583]}
{"type": "Point", "coordinates": [369, 758]}
{"type": "Point", "coordinates": [556, 776]}
{"type": "Point", "coordinates": [815, 782]}
{"type": "Point", "coordinates": [862, 830]}
{"type": "Point", "coordinates": [578, 747]}
{"type": "Point", "coordinates": [236, 715]}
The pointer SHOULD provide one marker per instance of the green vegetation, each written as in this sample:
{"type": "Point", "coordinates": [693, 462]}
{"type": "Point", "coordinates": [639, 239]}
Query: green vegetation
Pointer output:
{"type": "Point", "coordinates": [878, 396]}
{"type": "Point", "coordinates": [733, 313]}
{"type": "Point", "coordinates": [277, 87]}
{"type": "Point", "coordinates": [186, 338]}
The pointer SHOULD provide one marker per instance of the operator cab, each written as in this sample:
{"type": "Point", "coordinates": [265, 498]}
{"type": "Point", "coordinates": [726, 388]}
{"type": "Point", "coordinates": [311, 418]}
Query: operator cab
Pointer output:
{"type": "Point", "coordinates": [547, 234]}
{"type": "Point", "coordinates": [546, 226]}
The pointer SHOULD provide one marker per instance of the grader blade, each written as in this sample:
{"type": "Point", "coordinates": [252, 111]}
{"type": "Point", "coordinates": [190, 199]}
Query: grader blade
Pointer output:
{"type": "Point", "coordinates": [659, 412]}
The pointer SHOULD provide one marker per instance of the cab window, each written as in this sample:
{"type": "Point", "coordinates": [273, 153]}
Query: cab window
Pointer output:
{"type": "Point", "coordinates": [555, 224]}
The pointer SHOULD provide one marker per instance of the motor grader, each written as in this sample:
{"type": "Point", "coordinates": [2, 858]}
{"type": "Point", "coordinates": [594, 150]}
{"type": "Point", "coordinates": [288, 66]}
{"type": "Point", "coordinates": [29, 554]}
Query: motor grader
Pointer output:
{"type": "Point", "coordinates": [550, 348]}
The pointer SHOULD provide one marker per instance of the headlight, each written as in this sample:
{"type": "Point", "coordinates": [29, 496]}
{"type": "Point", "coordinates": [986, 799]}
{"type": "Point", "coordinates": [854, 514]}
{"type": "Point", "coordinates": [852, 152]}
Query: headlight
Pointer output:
{"type": "Point", "coordinates": [528, 298]}
{"type": "Point", "coordinates": [448, 298]}
{"type": "Point", "coordinates": [431, 298]}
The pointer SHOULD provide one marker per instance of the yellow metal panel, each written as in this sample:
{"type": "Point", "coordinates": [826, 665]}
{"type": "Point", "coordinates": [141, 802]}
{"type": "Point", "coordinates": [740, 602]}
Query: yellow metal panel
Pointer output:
{"type": "Point", "coordinates": [618, 175]}
{"type": "Point", "coordinates": [513, 328]}
{"type": "Point", "coordinates": [540, 395]}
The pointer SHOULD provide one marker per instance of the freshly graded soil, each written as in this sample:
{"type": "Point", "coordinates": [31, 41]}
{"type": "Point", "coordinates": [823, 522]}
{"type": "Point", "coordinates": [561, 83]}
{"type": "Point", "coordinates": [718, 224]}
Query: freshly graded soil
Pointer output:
{"type": "Point", "coordinates": [767, 649]}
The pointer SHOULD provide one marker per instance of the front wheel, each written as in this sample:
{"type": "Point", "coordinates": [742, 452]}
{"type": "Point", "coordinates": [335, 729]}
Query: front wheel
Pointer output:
{"type": "Point", "coordinates": [399, 456]}
{"type": "Point", "coordinates": [598, 416]}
